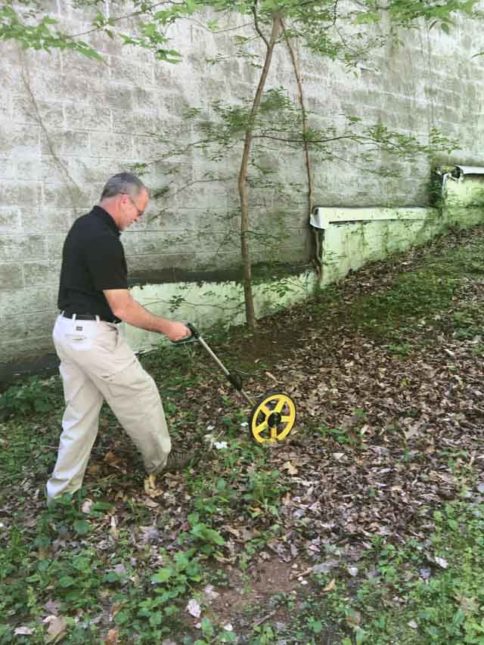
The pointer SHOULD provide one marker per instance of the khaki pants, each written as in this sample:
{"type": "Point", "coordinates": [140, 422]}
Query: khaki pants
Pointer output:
{"type": "Point", "coordinates": [97, 364]}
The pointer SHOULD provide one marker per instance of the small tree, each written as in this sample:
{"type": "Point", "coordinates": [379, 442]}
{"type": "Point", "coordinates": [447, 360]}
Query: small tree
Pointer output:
{"type": "Point", "coordinates": [329, 30]}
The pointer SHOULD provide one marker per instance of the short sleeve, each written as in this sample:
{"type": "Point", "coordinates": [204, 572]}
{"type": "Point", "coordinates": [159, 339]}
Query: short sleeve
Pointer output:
{"type": "Point", "coordinates": [106, 264]}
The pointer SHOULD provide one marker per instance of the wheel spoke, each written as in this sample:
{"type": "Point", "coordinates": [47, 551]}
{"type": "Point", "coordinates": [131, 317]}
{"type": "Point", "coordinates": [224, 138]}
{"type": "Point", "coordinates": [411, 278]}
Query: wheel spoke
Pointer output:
{"type": "Point", "coordinates": [280, 404]}
{"type": "Point", "coordinates": [265, 410]}
{"type": "Point", "coordinates": [261, 427]}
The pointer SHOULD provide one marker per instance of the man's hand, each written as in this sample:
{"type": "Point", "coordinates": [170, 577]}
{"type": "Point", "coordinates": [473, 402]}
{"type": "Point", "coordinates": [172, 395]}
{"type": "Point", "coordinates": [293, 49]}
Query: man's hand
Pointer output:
{"type": "Point", "coordinates": [177, 331]}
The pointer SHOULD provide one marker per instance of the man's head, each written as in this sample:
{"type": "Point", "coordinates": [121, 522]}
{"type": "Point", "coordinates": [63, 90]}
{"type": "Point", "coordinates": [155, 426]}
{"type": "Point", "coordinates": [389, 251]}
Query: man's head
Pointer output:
{"type": "Point", "coordinates": [125, 198]}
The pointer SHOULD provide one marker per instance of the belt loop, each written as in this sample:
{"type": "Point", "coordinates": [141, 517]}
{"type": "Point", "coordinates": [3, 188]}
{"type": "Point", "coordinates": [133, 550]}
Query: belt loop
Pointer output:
{"type": "Point", "coordinates": [74, 316]}
{"type": "Point", "coordinates": [98, 319]}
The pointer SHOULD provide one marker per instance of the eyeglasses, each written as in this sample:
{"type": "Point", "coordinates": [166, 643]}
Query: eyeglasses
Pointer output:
{"type": "Point", "coordinates": [139, 211]}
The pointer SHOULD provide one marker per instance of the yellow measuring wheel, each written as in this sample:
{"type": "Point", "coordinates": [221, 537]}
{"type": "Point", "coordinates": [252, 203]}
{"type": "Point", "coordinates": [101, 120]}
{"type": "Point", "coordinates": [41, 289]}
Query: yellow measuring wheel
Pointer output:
{"type": "Point", "coordinates": [272, 418]}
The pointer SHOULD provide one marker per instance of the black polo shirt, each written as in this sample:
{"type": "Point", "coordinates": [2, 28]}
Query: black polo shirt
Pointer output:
{"type": "Point", "coordinates": [92, 260]}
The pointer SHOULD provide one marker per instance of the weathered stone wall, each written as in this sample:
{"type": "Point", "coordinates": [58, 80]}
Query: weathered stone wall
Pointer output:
{"type": "Point", "coordinates": [67, 123]}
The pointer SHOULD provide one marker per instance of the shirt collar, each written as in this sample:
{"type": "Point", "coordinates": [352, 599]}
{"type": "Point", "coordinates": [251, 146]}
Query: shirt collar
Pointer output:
{"type": "Point", "coordinates": [98, 211]}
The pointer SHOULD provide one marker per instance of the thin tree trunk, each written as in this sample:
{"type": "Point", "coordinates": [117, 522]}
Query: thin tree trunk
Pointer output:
{"type": "Point", "coordinates": [243, 174]}
{"type": "Point", "coordinates": [307, 155]}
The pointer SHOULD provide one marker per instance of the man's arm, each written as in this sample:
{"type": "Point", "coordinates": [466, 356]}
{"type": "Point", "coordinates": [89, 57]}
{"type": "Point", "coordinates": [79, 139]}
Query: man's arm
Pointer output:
{"type": "Point", "coordinates": [125, 307]}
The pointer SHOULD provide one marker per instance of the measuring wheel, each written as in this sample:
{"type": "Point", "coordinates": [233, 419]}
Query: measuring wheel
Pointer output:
{"type": "Point", "coordinates": [272, 418]}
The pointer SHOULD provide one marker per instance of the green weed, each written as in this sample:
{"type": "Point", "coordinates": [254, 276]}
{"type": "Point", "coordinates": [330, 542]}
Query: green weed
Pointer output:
{"type": "Point", "coordinates": [35, 396]}
{"type": "Point", "coordinates": [422, 592]}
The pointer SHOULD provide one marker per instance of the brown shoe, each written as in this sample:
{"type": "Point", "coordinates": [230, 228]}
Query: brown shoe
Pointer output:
{"type": "Point", "coordinates": [178, 460]}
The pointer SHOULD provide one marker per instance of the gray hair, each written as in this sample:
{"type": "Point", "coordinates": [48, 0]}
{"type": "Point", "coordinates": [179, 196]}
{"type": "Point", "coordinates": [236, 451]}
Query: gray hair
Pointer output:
{"type": "Point", "coordinates": [124, 183]}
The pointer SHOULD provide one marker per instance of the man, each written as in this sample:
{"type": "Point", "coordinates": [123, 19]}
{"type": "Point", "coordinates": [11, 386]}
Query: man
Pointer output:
{"type": "Point", "coordinates": [97, 364]}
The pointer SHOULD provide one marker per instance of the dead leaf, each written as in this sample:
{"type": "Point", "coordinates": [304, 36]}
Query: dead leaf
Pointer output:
{"type": "Point", "coordinates": [114, 527]}
{"type": "Point", "coordinates": [442, 562]}
{"type": "Point", "coordinates": [270, 375]}
{"type": "Point", "coordinates": [325, 567]}
{"type": "Point", "coordinates": [52, 606]}
{"type": "Point", "coordinates": [233, 531]}
{"type": "Point", "coordinates": [331, 585]}
{"type": "Point", "coordinates": [150, 503]}
{"type": "Point", "coordinates": [87, 506]}
{"type": "Point", "coordinates": [353, 618]}
{"type": "Point", "coordinates": [112, 637]}
{"type": "Point", "coordinates": [210, 592]}
{"type": "Point", "coordinates": [56, 630]}
{"type": "Point", "coordinates": [194, 608]}
{"type": "Point", "coordinates": [291, 469]}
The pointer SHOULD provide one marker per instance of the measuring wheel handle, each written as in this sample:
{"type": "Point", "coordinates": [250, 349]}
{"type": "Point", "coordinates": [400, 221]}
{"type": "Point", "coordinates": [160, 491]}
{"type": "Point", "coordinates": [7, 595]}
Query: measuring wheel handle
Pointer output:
{"type": "Point", "coordinates": [272, 418]}
{"type": "Point", "coordinates": [194, 336]}
{"type": "Point", "coordinates": [193, 329]}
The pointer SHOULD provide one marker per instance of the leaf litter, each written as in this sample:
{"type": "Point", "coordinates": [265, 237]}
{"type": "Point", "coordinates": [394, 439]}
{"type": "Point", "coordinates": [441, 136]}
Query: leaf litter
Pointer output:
{"type": "Point", "coordinates": [388, 429]}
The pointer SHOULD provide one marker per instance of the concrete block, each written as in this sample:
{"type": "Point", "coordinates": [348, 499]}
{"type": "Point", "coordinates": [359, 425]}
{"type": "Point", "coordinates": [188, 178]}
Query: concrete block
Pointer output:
{"type": "Point", "coordinates": [139, 75]}
{"type": "Point", "coordinates": [80, 87]}
{"type": "Point", "coordinates": [11, 328]}
{"type": "Point", "coordinates": [28, 347]}
{"type": "Point", "coordinates": [44, 83]}
{"type": "Point", "coordinates": [35, 61]}
{"type": "Point", "coordinates": [158, 262]}
{"type": "Point", "coordinates": [119, 96]}
{"type": "Point", "coordinates": [58, 202]}
{"type": "Point", "coordinates": [34, 299]}
{"type": "Point", "coordinates": [77, 66]}
{"type": "Point", "coordinates": [20, 194]}
{"type": "Point", "coordinates": [20, 141]}
{"type": "Point", "coordinates": [55, 243]}
{"type": "Point", "coordinates": [26, 247]}
{"type": "Point", "coordinates": [22, 169]}
{"type": "Point", "coordinates": [65, 143]}
{"type": "Point", "coordinates": [41, 273]}
{"type": "Point", "coordinates": [11, 276]}
{"type": "Point", "coordinates": [10, 71]}
{"type": "Point", "coordinates": [47, 113]}
{"type": "Point", "coordinates": [140, 122]}
{"type": "Point", "coordinates": [118, 147]}
{"type": "Point", "coordinates": [52, 170]}
{"type": "Point", "coordinates": [85, 116]}
{"type": "Point", "coordinates": [90, 173]}
{"type": "Point", "coordinates": [216, 260]}
{"type": "Point", "coordinates": [10, 219]}
{"type": "Point", "coordinates": [146, 147]}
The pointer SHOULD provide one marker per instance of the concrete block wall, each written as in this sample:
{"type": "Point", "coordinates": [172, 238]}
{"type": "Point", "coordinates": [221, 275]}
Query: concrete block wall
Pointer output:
{"type": "Point", "coordinates": [67, 123]}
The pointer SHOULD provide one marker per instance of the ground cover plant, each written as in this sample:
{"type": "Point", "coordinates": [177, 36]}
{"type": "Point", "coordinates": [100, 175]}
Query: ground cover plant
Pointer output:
{"type": "Point", "coordinates": [365, 527]}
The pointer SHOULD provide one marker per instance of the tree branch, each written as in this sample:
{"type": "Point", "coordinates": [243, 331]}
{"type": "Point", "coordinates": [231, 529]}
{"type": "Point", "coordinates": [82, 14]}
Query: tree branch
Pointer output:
{"type": "Point", "coordinates": [256, 24]}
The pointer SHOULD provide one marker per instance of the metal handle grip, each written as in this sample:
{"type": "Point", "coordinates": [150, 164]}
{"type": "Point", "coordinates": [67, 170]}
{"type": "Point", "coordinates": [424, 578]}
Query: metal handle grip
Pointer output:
{"type": "Point", "coordinates": [195, 335]}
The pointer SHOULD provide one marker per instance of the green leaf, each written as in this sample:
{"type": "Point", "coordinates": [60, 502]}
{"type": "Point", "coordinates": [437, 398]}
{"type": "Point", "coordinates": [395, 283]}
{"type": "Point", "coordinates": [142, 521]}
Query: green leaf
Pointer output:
{"type": "Point", "coordinates": [82, 527]}
{"type": "Point", "coordinates": [206, 534]}
{"type": "Point", "coordinates": [66, 582]}
{"type": "Point", "coordinates": [315, 625]}
{"type": "Point", "coordinates": [162, 576]}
